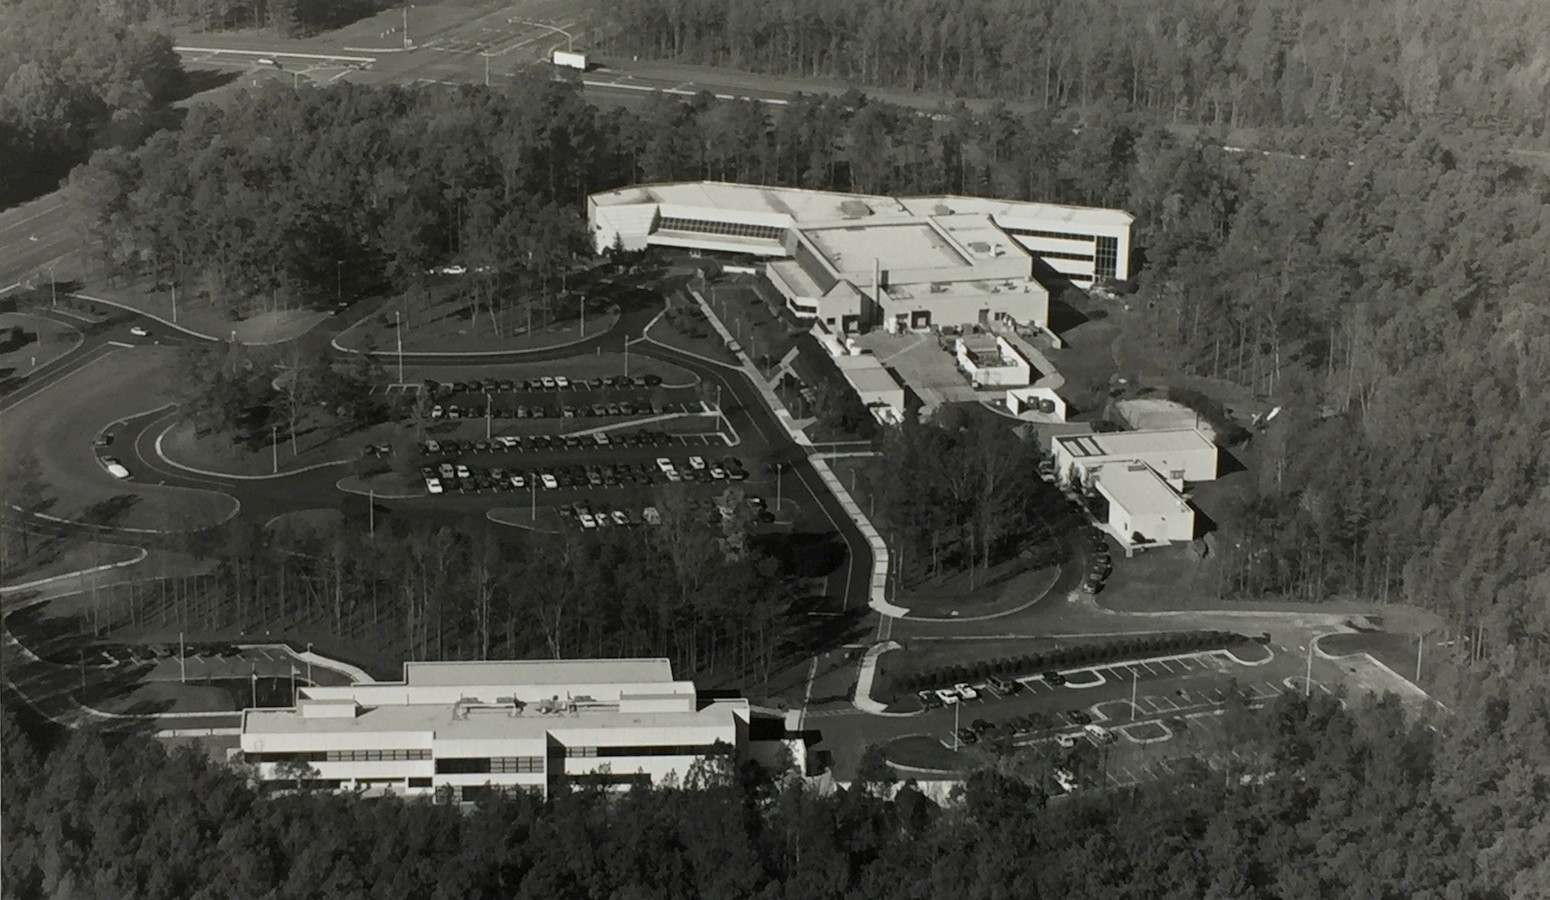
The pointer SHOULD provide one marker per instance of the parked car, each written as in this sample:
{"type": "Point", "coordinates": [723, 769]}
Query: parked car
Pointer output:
{"type": "Point", "coordinates": [696, 462]}
{"type": "Point", "coordinates": [549, 383]}
{"type": "Point", "coordinates": [462, 471]}
{"type": "Point", "coordinates": [1002, 685]}
{"type": "Point", "coordinates": [549, 482]}
{"type": "Point", "coordinates": [102, 440]}
{"type": "Point", "coordinates": [1065, 741]}
{"type": "Point", "coordinates": [966, 691]}
{"type": "Point", "coordinates": [586, 520]}
{"type": "Point", "coordinates": [651, 380]}
{"type": "Point", "coordinates": [433, 485]}
{"type": "Point", "coordinates": [651, 515]}
{"type": "Point", "coordinates": [1100, 734]}
{"type": "Point", "coordinates": [967, 735]}
{"type": "Point", "coordinates": [947, 697]}
{"type": "Point", "coordinates": [620, 518]}
{"type": "Point", "coordinates": [1053, 678]}
{"type": "Point", "coordinates": [114, 467]}
{"type": "Point", "coordinates": [929, 699]}
{"type": "Point", "coordinates": [1078, 717]}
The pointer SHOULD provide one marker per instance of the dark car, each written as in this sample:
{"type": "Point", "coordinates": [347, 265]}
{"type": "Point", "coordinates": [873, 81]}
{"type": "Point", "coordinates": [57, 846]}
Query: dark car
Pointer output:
{"type": "Point", "coordinates": [595, 383]}
{"type": "Point", "coordinates": [1054, 678]}
{"type": "Point", "coordinates": [481, 446]}
{"type": "Point", "coordinates": [651, 380]}
{"type": "Point", "coordinates": [1079, 717]}
{"type": "Point", "coordinates": [491, 384]}
{"type": "Point", "coordinates": [968, 735]}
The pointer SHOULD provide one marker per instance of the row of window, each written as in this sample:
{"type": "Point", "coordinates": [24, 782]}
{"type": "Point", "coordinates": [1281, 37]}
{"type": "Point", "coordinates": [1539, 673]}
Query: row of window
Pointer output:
{"type": "Point", "coordinates": [731, 229]}
{"type": "Point", "coordinates": [316, 756]}
{"type": "Point", "coordinates": [1077, 257]}
{"type": "Point", "coordinates": [651, 750]}
{"type": "Point", "coordinates": [1054, 235]}
{"type": "Point", "coordinates": [484, 765]}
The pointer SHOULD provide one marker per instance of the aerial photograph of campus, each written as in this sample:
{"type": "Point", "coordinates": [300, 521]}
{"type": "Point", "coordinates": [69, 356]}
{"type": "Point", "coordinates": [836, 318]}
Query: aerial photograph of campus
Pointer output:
{"type": "Point", "coordinates": [1006, 449]}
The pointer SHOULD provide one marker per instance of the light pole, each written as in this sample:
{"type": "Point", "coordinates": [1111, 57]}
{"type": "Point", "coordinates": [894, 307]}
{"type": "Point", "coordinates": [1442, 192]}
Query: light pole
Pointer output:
{"type": "Point", "coordinates": [338, 281]}
{"type": "Point", "coordinates": [53, 288]}
{"type": "Point", "coordinates": [583, 315]}
{"type": "Point", "coordinates": [778, 475]}
{"type": "Point", "coordinates": [309, 662]}
{"type": "Point", "coordinates": [406, 26]}
{"type": "Point", "coordinates": [570, 39]}
{"type": "Point", "coordinates": [182, 661]}
{"type": "Point", "coordinates": [371, 513]}
{"type": "Point", "coordinates": [398, 328]}
{"type": "Point", "coordinates": [487, 413]}
{"type": "Point", "coordinates": [532, 494]}
{"type": "Point", "coordinates": [957, 707]}
{"type": "Point", "coordinates": [274, 447]}
{"type": "Point", "coordinates": [174, 302]}
{"type": "Point", "coordinates": [1307, 681]}
{"type": "Point", "coordinates": [1135, 680]}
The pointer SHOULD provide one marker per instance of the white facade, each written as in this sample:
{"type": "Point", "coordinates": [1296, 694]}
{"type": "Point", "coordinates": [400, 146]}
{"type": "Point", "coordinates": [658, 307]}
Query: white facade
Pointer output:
{"type": "Point", "coordinates": [857, 261]}
{"type": "Point", "coordinates": [991, 361]}
{"type": "Point", "coordinates": [531, 724]}
{"type": "Point", "coordinates": [1142, 509]}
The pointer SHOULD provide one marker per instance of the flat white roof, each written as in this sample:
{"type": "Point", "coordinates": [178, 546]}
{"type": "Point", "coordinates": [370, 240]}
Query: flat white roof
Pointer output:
{"type": "Point", "coordinates": [853, 248]}
{"type": "Point", "coordinates": [1140, 490]}
{"type": "Point", "coordinates": [537, 672]}
{"type": "Point", "coordinates": [1133, 443]}
{"type": "Point", "coordinates": [806, 207]}
{"type": "Point", "coordinates": [440, 720]}
{"type": "Point", "coordinates": [867, 374]}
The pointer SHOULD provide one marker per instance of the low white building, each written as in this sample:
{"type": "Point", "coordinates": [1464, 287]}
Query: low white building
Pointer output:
{"type": "Point", "coordinates": [1142, 509]}
{"type": "Point", "coordinates": [1179, 455]}
{"type": "Point", "coordinates": [878, 390]}
{"type": "Point", "coordinates": [991, 361]}
{"type": "Point", "coordinates": [469, 726]}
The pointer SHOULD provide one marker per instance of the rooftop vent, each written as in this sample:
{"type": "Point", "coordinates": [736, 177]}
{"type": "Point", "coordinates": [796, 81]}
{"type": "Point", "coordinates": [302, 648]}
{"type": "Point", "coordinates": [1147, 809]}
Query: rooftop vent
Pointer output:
{"type": "Point", "coordinates": [982, 247]}
{"type": "Point", "coordinates": [942, 209]}
{"type": "Point", "coordinates": [855, 209]}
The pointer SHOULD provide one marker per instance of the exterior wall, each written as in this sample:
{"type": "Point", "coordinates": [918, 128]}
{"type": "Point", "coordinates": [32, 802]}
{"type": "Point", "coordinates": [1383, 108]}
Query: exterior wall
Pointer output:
{"type": "Point", "coordinates": [1177, 467]}
{"type": "Point", "coordinates": [1017, 374]}
{"type": "Point", "coordinates": [1176, 527]}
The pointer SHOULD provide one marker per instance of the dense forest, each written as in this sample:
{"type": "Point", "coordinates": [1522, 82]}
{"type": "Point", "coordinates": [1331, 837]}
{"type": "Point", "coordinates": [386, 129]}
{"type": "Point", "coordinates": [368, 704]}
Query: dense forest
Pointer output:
{"type": "Point", "coordinates": [73, 78]}
{"type": "Point", "coordinates": [1327, 803]}
{"type": "Point", "coordinates": [1390, 297]}
{"type": "Point", "coordinates": [1268, 62]}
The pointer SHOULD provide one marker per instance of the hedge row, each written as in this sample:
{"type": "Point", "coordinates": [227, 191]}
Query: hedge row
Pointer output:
{"type": "Point", "coordinates": [1071, 657]}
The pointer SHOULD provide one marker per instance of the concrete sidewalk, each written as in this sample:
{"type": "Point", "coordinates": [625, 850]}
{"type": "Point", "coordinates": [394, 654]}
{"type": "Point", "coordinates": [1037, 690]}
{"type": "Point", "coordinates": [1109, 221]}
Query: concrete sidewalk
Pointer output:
{"type": "Point", "coordinates": [878, 594]}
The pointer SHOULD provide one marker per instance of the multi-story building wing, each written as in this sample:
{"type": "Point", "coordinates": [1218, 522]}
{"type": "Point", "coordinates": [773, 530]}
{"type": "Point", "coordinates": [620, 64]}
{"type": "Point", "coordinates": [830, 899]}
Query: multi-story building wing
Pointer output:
{"type": "Point", "coordinates": [467, 727]}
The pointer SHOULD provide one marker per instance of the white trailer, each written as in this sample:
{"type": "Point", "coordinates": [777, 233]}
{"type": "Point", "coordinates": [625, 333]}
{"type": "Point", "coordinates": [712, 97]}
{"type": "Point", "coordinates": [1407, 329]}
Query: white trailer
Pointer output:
{"type": "Point", "coordinates": [570, 60]}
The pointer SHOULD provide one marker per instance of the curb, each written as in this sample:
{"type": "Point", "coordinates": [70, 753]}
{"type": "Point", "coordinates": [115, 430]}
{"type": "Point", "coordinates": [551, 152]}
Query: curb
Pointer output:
{"type": "Point", "coordinates": [80, 573]}
{"type": "Point", "coordinates": [228, 475]}
{"type": "Point", "coordinates": [374, 495]}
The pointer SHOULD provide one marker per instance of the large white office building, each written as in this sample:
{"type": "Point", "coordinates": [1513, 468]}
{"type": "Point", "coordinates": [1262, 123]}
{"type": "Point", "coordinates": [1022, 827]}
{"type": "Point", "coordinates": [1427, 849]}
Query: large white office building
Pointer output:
{"type": "Point", "coordinates": [857, 261]}
{"type": "Point", "coordinates": [467, 727]}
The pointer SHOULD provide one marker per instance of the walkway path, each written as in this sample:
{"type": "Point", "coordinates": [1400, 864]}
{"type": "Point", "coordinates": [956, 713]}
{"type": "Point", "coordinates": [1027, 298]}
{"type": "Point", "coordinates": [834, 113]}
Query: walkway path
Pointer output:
{"type": "Point", "coordinates": [878, 594]}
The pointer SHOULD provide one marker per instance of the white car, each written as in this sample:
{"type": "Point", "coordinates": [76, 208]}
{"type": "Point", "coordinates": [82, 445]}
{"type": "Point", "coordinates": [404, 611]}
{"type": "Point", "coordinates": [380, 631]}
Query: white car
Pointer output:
{"type": "Point", "coordinates": [462, 471]}
{"type": "Point", "coordinates": [114, 467]}
{"type": "Point", "coordinates": [1100, 734]}
{"type": "Point", "coordinates": [966, 691]}
{"type": "Point", "coordinates": [433, 485]}
{"type": "Point", "coordinates": [718, 473]}
{"type": "Point", "coordinates": [696, 462]}
{"type": "Point", "coordinates": [518, 481]}
{"type": "Point", "coordinates": [561, 382]}
{"type": "Point", "coordinates": [665, 464]}
{"type": "Point", "coordinates": [550, 483]}
{"type": "Point", "coordinates": [620, 518]}
{"type": "Point", "coordinates": [437, 412]}
{"type": "Point", "coordinates": [1066, 741]}
{"type": "Point", "coordinates": [549, 383]}
{"type": "Point", "coordinates": [602, 439]}
{"type": "Point", "coordinates": [651, 515]}
{"type": "Point", "coordinates": [672, 476]}
{"type": "Point", "coordinates": [432, 447]}
{"type": "Point", "coordinates": [1066, 780]}
{"type": "Point", "coordinates": [586, 520]}
{"type": "Point", "coordinates": [266, 61]}
{"type": "Point", "coordinates": [137, 331]}
{"type": "Point", "coordinates": [946, 696]}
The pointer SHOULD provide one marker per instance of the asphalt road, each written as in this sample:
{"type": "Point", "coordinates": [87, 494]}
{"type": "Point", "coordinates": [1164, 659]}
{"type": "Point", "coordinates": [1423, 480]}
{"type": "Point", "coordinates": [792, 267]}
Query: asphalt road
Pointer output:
{"type": "Point", "coordinates": [34, 236]}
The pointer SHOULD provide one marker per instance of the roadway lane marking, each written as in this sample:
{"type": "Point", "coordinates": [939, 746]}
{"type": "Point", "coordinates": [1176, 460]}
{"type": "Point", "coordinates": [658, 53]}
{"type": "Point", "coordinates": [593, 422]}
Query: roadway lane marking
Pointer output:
{"type": "Point", "coordinates": [20, 222]}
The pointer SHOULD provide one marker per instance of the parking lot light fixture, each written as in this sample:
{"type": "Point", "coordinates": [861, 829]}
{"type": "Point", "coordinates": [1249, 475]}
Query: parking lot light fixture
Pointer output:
{"type": "Point", "coordinates": [309, 662]}
{"type": "Point", "coordinates": [182, 661]}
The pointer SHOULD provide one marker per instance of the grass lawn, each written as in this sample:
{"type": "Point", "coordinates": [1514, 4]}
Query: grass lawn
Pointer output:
{"type": "Point", "coordinates": [59, 424]}
{"type": "Point", "coordinates": [922, 751]}
{"type": "Point", "coordinates": [445, 323]}
{"type": "Point", "coordinates": [684, 328]}
{"type": "Point", "coordinates": [48, 341]}
{"type": "Point", "coordinates": [169, 696]}
{"type": "Point", "coordinates": [55, 556]}
{"type": "Point", "coordinates": [201, 315]}
{"type": "Point", "coordinates": [1008, 586]}
{"type": "Point", "coordinates": [318, 440]}
{"type": "Point", "coordinates": [1442, 658]}
{"type": "Point", "coordinates": [744, 313]}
